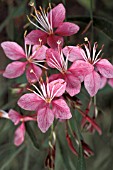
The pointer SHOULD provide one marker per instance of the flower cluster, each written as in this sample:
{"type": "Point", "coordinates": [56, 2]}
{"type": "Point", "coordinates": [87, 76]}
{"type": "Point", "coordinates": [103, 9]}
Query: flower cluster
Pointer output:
{"type": "Point", "coordinates": [45, 51]}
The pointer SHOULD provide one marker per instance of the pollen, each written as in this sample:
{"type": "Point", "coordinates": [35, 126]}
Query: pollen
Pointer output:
{"type": "Point", "coordinates": [48, 100]}
{"type": "Point", "coordinates": [85, 39]}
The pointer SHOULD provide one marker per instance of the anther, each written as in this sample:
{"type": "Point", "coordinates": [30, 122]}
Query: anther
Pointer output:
{"type": "Point", "coordinates": [86, 39]}
{"type": "Point", "coordinates": [31, 4]}
{"type": "Point", "coordinates": [25, 33]}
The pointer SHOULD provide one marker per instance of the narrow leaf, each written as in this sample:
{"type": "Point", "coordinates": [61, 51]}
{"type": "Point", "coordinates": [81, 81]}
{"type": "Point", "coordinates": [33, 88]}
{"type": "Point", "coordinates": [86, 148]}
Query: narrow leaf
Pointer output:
{"type": "Point", "coordinates": [32, 135]}
{"type": "Point", "coordinates": [103, 24]}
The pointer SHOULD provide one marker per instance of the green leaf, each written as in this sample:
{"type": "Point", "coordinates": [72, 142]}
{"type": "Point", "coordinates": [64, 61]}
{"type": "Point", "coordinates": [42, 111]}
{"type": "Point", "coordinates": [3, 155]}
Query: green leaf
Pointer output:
{"type": "Point", "coordinates": [102, 24]}
{"type": "Point", "coordinates": [65, 156]}
{"type": "Point", "coordinates": [32, 135]}
{"type": "Point", "coordinates": [15, 12]}
{"type": "Point", "coordinates": [81, 165]}
{"type": "Point", "coordinates": [8, 153]}
{"type": "Point", "coordinates": [86, 4]}
{"type": "Point", "coordinates": [20, 10]}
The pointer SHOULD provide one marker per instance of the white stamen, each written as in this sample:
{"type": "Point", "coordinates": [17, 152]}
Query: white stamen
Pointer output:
{"type": "Point", "coordinates": [29, 50]}
{"type": "Point", "coordinates": [55, 65]}
{"type": "Point", "coordinates": [36, 25]}
{"type": "Point", "coordinates": [38, 91]}
{"type": "Point", "coordinates": [52, 91]}
{"type": "Point", "coordinates": [57, 92]}
{"type": "Point", "coordinates": [36, 63]}
{"type": "Point", "coordinates": [88, 52]}
{"type": "Point", "coordinates": [42, 18]}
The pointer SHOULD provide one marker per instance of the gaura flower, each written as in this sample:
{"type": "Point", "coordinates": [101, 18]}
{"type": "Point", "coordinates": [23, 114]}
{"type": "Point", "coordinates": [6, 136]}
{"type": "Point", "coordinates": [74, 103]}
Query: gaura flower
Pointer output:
{"type": "Point", "coordinates": [15, 52]}
{"type": "Point", "coordinates": [102, 68]}
{"type": "Point", "coordinates": [16, 118]}
{"type": "Point", "coordinates": [46, 105]}
{"type": "Point", "coordinates": [74, 75]}
{"type": "Point", "coordinates": [51, 26]}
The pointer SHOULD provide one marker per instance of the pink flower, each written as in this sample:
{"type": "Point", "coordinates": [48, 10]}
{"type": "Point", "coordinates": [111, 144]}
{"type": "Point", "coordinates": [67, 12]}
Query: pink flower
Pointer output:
{"type": "Point", "coordinates": [15, 52]}
{"type": "Point", "coordinates": [47, 23]}
{"type": "Point", "coordinates": [110, 82]}
{"type": "Point", "coordinates": [46, 105]}
{"type": "Point", "coordinates": [102, 68]}
{"type": "Point", "coordinates": [20, 132]}
{"type": "Point", "coordinates": [73, 76]}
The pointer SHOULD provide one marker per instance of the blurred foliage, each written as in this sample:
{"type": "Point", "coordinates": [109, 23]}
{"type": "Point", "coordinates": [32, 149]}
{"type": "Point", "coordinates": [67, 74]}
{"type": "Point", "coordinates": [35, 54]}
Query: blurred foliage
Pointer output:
{"type": "Point", "coordinates": [32, 154]}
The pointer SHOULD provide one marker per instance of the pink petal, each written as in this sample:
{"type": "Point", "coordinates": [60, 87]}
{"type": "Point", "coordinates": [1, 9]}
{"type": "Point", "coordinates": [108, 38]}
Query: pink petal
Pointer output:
{"type": "Point", "coordinates": [39, 52]}
{"type": "Point", "coordinates": [14, 69]}
{"type": "Point", "coordinates": [73, 53]}
{"type": "Point", "coordinates": [13, 50]}
{"type": "Point", "coordinates": [34, 36]}
{"type": "Point", "coordinates": [57, 87]}
{"type": "Point", "coordinates": [110, 82]}
{"type": "Point", "coordinates": [55, 77]}
{"type": "Point", "coordinates": [52, 41]}
{"type": "Point", "coordinates": [53, 57]}
{"type": "Point", "coordinates": [30, 101]}
{"type": "Point", "coordinates": [19, 135]}
{"type": "Point", "coordinates": [28, 118]}
{"type": "Point", "coordinates": [45, 118]}
{"type": "Point", "coordinates": [61, 109]}
{"type": "Point", "coordinates": [14, 116]}
{"type": "Point", "coordinates": [103, 81]}
{"type": "Point", "coordinates": [105, 68]}
{"type": "Point", "coordinates": [92, 83]}
{"type": "Point", "coordinates": [73, 84]}
{"type": "Point", "coordinates": [58, 15]}
{"type": "Point", "coordinates": [33, 73]}
{"type": "Point", "coordinates": [80, 69]}
{"type": "Point", "coordinates": [67, 29]}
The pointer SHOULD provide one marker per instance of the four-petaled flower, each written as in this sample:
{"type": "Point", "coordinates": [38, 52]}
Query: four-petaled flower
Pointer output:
{"type": "Point", "coordinates": [16, 118]}
{"type": "Point", "coordinates": [15, 52]}
{"type": "Point", "coordinates": [47, 23]}
{"type": "Point", "coordinates": [74, 75]}
{"type": "Point", "coordinates": [102, 68]}
{"type": "Point", "coordinates": [46, 105]}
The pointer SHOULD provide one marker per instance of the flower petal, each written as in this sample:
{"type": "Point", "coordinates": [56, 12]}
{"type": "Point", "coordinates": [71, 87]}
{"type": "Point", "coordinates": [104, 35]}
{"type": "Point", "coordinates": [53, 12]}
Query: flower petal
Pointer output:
{"type": "Point", "coordinates": [61, 109]}
{"type": "Point", "coordinates": [67, 29]}
{"type": "Point", "coordinates": [30, 101]}
{"type": "Point", "coordinates": [73, 53]}
{"type": "Point", "coordinates": [14, 69]}
{"type": "Point", "coordinates": [57, 87]}
{"type": "Point", "coordinates": [55, 77]}
{"type": "Point", "coordinates": [92, 83]}
{"type": "Point", "coordinates": [39, 52]}
{"type": "Point", "coordinates": [33, 73]}
{"type": "Point", "coordinates": [13, 50]}
{"type": "Point", "coordinates": [80, 69]}
{"type": "Point", "coordinates": [73, 84]}
{"type": "Point", "coordinates": [19, 135]}
{"type": "Point", "coordinates": [52, 41]}
{"type": "Point", "coordinates": [105, 68]}
{"type": "Point", "coordinates": [110, 82]}
{"type": "Point", "coordinates": [103, 81]}
{"type": "Point", "coordinates": [45, 118]}
{"type": "Point", "coordinates": [14, 116]}
{"type": "Point", "coordinates": [57, 15]}
{"type": "Point", "coordinates": [34, 36]}
{"type": "Point", "coordinates": [53, 58]}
